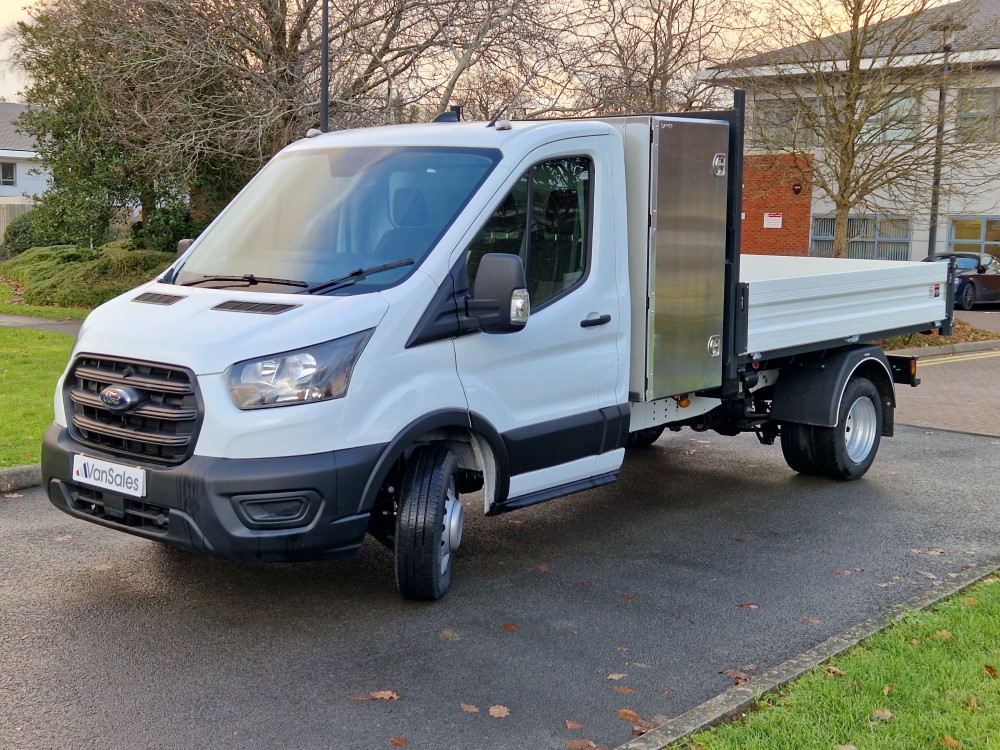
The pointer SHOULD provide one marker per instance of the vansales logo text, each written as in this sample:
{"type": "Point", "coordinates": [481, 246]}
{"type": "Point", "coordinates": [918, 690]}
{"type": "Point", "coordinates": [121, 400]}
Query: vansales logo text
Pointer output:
{"type": "Point", "coordinates": [109, 477]}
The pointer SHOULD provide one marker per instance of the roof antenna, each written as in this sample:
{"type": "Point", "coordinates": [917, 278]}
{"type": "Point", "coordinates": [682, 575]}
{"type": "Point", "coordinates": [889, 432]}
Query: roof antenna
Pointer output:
{"type": "Point", "coordinates": [454, 114]}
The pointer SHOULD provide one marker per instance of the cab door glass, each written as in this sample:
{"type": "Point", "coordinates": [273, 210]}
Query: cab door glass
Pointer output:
{"type": "Point", "coordinates": [546, 220]}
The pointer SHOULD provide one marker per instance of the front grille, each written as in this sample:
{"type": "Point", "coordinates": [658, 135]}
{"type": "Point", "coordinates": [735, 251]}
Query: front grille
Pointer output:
{"type": "Point", "coordinates": [163, 426]}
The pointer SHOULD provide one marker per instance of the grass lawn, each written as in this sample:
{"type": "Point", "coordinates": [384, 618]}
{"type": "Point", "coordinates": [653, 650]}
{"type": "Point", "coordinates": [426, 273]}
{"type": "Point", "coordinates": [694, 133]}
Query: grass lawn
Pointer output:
{"type": "Point", "coordinates": [32, 364]}
{"type": "Point", "coordinates": [929, 682]}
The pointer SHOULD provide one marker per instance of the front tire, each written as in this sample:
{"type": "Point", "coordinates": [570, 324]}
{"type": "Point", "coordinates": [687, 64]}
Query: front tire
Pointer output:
{"type": "Point", "coordinates": [968, 300]}
{"type": "Point", "coordinates": [847, 450]}
{"type": "Point", "coordinates": [428, 524]}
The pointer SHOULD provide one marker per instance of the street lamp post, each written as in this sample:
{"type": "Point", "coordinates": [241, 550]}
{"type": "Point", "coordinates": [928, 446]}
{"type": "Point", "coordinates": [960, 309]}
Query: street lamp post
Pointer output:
{"type": "Point", "coordinates": [324, 93]}
{"type": "Point", "coordinates": [947, 27]}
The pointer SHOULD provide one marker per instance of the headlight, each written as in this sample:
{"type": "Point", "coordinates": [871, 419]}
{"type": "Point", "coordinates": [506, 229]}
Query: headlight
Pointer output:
{"type": "Point", "coordinates": [316, 373]}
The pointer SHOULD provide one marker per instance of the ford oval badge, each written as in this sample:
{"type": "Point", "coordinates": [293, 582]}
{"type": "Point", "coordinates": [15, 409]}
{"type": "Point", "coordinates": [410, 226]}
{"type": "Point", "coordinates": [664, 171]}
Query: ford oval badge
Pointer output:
{"type": "Point", "coordinates": [117, 398]}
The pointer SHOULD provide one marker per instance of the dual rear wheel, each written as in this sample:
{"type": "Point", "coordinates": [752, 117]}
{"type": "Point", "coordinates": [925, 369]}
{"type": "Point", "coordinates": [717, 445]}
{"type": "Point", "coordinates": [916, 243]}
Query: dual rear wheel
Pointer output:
{"type": "Point", "coordinates": [845, 451]}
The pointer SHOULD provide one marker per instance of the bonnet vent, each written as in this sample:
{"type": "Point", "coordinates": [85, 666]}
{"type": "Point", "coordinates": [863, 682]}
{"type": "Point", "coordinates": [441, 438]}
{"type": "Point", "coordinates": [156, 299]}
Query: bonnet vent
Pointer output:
{"type": "Point", "coordinates": [260, 308]}
{"type": "Point", "coordinates": [150, 298]}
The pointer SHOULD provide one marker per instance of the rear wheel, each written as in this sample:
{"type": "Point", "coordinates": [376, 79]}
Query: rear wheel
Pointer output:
{"type": "Point", "coordinates": [645, 438]}
{"type": "Point", "coordinates": [428, 525]}
{"type": "Point", "coordinates": [847, 450]}
{"type": "Point", "coordinates": [968, 296]}
{"type": "Point", "coordinates": [798, 449]}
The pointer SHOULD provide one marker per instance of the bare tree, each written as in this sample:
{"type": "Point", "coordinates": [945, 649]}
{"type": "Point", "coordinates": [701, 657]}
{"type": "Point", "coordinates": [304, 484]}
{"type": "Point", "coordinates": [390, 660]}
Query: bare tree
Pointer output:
{"type": "Point", "coordinates": [644, 54]}
{"type": "Point", "coordinates": [853, 98]}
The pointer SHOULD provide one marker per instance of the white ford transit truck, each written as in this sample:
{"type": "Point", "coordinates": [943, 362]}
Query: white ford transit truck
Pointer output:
{"type": "Point", "coordinates": [385, 319]}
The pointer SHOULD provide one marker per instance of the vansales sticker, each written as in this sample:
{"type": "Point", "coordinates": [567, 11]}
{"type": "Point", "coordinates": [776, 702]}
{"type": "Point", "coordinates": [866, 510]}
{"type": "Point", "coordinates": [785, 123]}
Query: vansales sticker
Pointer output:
{"type": "Point", "coordinates": [123, 480]}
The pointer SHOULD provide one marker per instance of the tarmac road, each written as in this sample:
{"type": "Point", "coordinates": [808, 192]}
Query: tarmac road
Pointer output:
{"type": "Point", "coordinates": [107, 641]}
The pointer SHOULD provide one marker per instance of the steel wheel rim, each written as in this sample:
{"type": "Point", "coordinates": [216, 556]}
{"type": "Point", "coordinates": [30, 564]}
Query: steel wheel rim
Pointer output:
{"type": "Point", "coordinates": [968, 296]}
{"type": "Point", "coordinates": [860, 429]}
{"type": "Point", "coordinates": [451, 527]}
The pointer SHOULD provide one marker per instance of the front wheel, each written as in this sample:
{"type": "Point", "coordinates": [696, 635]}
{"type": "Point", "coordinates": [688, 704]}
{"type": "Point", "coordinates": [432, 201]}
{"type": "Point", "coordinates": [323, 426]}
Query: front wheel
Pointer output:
{"type": "Point", "coordinates": [847, 450]}
{"type": "Point", "coordinates": [428, 524]}
{"type": "Point", "coordinates": [968, 299]}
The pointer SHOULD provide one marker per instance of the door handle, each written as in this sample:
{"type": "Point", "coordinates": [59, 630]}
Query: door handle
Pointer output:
{"type": "Point", "coordinates": [598, 321]}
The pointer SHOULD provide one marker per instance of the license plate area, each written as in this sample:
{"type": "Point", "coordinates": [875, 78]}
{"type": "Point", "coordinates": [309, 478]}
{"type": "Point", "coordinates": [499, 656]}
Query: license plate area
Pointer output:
{"type": "Point", "coordinates": [120, 479]}
{"type": "Point", "coordinates": [123, 511]}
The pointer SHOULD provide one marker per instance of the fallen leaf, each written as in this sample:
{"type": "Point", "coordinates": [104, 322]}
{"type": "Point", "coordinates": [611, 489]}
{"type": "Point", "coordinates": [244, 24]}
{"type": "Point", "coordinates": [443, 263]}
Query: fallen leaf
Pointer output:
{"type": "Point", "coordinates": [928, 576]}
{"type": "Point", "coordinates": [510, 627]}
{"type": "Point", "coordinates": [638, 729]}
{"type": "Point", "coordinates": [469, 708]}
{"type": "Point", "coordinates": [628, 597]}
{"type": "Point", "coordinates": [989, 581]}
{"type": "Point", "coordinates": [640, 665]}
{"type": "Point", "coordinates": [13, 496]}
{"type": "Point", "coordinates": [584, 583]}
{"type": "Point", "coordinates": [499, 712]}
{"type": "Point", "coordinates": [449, 635]}
{"type": "Point", "coordinates": [832, 670]}
{"type": "Point", "coordinates": [991, 671]}
{"type": "Point", "coordinates": [845, 747]}
{"type": "Point", "coordinates": [970, 601]}
{"type": "Point", "coordinates": [882, 714]}
{"type": "Point", "coordinates": [942, 635]}
{"type": "Point", "coordinates": [384, 695]}
{"type": "Point", "coordinates": [888, 689]}
{"type": "Point", "coordinates": [953, 575]}
{"type": "Point", "coordinates": [398, 742]}
{"type": "Point", "coordinates": [973, 703]}
{"type": "Point", "coordinates": [841, 572]}
{"type": "Point", "coordinates": [749, 605]}
{"type": "Point", "coordinates": [739, 540]}
{"type": "Point", "coordinates": [951, 742]}
{"type": "Point", "coordinates": [623, 689]}
{"type": "Point", "coordinates": [543, 568]}
{"type": "Point", "coordinates": [574, 724]}
{"type": "Point", "coordinates": [914, 642]}
{"type": "Point", "coordinates": [748, 667]}
{"type": "Point", "coordinates": [884, 585]}
{"type": "Point", "coordinates": [64, 538]}
{"type": "Point", "coordinates": [622, 649]}
{"type": "Point", "coordinates": [812, 620]}
{"type": "Point", "coordinates": [580, 745]}
{"type": "Point", "coordinates": [737, 676]}
{"type": "Point", "coordinates": [627, 714]}
{"type": "Point", "coordinates": [617, 676]}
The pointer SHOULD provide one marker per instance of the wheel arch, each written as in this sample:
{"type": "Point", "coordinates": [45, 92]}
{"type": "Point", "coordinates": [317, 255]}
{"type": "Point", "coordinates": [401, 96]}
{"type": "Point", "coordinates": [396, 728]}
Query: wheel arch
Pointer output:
{"type": "Point", "coordinates": [476, 443]}
{"type": "Point", "coordinates": [827, 375]}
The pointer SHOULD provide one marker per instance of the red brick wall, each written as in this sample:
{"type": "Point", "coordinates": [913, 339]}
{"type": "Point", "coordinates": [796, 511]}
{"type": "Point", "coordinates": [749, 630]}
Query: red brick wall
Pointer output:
{"type": "Point", "coordinates": [767, 188]}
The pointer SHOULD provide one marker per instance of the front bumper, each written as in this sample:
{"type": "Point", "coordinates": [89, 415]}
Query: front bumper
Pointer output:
{"type": "Point", "coordinates": [267, 509]}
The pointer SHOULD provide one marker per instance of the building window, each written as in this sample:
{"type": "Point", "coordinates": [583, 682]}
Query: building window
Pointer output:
{"type": "Point", "coordinates": [978, 115]}
{"type": "Point", "coordinates": [899, 122]}
{"type": "Point", "coordinates": [975, 234]}
{"type": "Point", "coordinates": [8, 173]}
{"type": "Point", "coordinates": [869, 237]}
{"type": "Point", "coordinates": [777, 124]}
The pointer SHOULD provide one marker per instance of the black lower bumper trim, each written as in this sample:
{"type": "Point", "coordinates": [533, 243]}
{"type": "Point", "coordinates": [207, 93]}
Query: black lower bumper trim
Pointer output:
{"type": "Point", "coordinates": [212, 505]}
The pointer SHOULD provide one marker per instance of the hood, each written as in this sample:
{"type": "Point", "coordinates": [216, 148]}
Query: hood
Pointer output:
{"type": "Point", "coordinates": [207, 330]}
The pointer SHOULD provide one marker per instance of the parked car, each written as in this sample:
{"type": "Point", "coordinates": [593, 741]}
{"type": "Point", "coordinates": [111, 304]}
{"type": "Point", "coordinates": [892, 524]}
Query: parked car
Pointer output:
{"type": "Point", "coordinates": [978, 277]}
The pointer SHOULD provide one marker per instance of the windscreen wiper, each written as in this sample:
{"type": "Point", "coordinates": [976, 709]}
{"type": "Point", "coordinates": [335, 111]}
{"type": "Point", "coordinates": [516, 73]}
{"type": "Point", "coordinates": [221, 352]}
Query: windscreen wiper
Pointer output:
{"type": "Point", "coordinates": [355, 275]}
{"type": "Point", "coordinates": [250, 280]}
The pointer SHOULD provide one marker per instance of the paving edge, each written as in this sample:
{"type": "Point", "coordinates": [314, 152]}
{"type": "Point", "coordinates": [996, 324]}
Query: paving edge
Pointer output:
{"type": "Point", "coordinates": [937, 351]}
{"type": "Point", "coordinates": [736, 701]}
{"type": "Point", "coordinates": [20, 477]}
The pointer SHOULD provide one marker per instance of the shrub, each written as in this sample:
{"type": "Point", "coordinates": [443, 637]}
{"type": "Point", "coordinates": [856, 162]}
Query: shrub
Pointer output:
{"type": "Point", "coordinates": [29, 230]}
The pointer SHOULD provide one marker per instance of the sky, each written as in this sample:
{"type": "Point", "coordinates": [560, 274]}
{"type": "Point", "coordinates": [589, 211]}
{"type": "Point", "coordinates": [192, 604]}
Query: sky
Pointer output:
{"type": "Point", "coordinates": [11, 82]}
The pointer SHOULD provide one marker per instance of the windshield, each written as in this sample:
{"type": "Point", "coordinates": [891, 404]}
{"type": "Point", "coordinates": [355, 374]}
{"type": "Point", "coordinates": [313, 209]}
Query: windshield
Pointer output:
{"type": "Point", "coordinates": [312, 216]}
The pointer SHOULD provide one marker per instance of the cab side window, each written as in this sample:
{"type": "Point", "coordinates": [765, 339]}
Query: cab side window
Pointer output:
{"type": "Point", "coordinates": [546, 220]}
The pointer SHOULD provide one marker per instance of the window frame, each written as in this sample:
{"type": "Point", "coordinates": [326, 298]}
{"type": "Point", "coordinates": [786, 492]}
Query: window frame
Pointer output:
{"type": "Point", "coordinates": [13, 168]}
{"type": "Point", "coordinates": [968, 122]}
{"type": "Point", "coordinates": [527, 227]}
{"type": "Point", "coordinates": [876, 238]}
{"type": "Point", "coordinates": [981, 245]}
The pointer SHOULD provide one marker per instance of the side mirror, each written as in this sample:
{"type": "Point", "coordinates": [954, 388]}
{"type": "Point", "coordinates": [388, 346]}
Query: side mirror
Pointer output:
{"type": "Point", "coordinates": [500, 297]}
{"type": "Point", "coordinates": [183, 245]}
{"type": "Point", "coordinates": [980, 268]}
